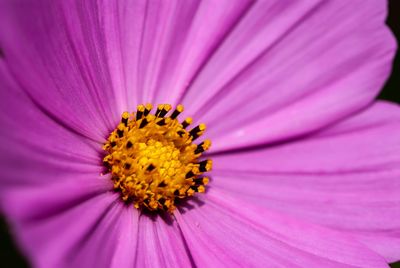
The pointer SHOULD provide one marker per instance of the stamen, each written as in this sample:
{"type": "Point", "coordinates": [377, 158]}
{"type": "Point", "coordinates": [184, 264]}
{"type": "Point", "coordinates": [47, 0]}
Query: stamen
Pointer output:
{"type": "Point", "coordinates": [153, 160]}
{"type": "Point", "coordinates": [140, 112]}
{"type": "Point", "coordinates": [197, 131]}
{"type": "Point", "coordinates": [143, 123]}
{"type": "Point", "coordinates": [120, 130]}
{"type": "Point", "coordinates": [125, 117]}
{"type": "Point", "coordinates": [178, 110]}
{"type": "Point", "coordinates": [187, 122]}
{"type": "Point", "coordinates": [165, 110]}
{"type": "Point", "coordinates": [147, 109]}
{"type": "Point", "coordinates": [203, 147]}
{"type": "Point", "coordinates": [205, 165]}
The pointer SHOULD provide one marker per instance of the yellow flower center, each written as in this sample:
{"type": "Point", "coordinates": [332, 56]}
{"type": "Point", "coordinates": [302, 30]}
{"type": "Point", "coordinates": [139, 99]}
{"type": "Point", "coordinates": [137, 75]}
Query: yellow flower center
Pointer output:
{"type": "Point", "coordinates": [153, 160]}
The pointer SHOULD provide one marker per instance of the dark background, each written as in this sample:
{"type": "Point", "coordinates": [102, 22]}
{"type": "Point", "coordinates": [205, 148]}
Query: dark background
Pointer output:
{"type": "Point", "coordinates": [9, 255]}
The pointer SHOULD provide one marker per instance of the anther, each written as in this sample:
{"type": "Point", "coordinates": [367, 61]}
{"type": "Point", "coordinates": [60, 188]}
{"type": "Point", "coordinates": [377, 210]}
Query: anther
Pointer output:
{"type": "Point", "coordinates": [129, 144]}
{"type": "Point", "coordinates": [150, 167]}
{"type": "Point", "coordinates": [147, 109]}
{"type": "Point", "coordinates": [181, 133]}
{"type": "Point", "coordinates": [106, 164]}
{"type": "Point", "coordinates": [203, 147]}
{"type": "Point", "coordinates": [161, 201]}
{"type": "Point", "coordinates": [201, 181]}
{"type": "Point", "coordinates": [162, 184]}
{"type": "Point", "coordinates": [189, 175]}
{"type": "Point", "coordinates": [125, 117]}
{"type": "Point", "coordinates": [140, 112]}
{"type": "Point", "coordinates": [160, 107]}
{"type": "Point", "coordinates": [162, 110]}
{"type": "Point", "coordinates": [198, 181]}
{"type": "Point", "coordinates": [161, 122]}
{"type": "Point", "coordinates": [197, 131]}
{"type": "Point", "coordinates": [178, 111]}
{"type": "Point", "coordinates": [194, 188]}
{"type": "Point", "coordinates": [120, 130]}
{"type": "Point", "coordinates": [205, 165]}
{"type": "Point", "coordinates": [187, 122]}
{"type": "Point", "coordinates": [143, 123]}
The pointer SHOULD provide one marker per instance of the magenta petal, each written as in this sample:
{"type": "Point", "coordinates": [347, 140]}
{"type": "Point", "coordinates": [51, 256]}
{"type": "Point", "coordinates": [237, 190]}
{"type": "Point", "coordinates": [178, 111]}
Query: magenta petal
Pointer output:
{"type": "Point", "coordinates": [45, 200]}
{"type": "Point", "coordinates": [127, 238]}
{"type": "Point", "coordinates": [345, 177]}
{"type": "Point", "coordinates": [94, 59]}
{"type": "Point", "coordinates": [289, 68]}
{"type": "Point", "coordinates": [37, 148]}
{"type": "Point", "coordinates": [55, 53]}
{"type": "Point", "coordinates": [73, 224]}
{"type": "Point", "coordinates": [227, 232]}
{"type": "Point", "coordinates": [66, 225]}
{"type": "Point", "coordinates": [159, 46]}
{"type": "Point", "coordinates": [111, 242]}
{"type": "Point", "coordinates": [160, 244]}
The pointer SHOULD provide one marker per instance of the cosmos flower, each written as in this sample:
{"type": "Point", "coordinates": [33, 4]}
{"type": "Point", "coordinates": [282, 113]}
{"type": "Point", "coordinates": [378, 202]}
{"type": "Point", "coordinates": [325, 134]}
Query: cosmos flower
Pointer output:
{"type": "Point", "coordinates": [306, 164]}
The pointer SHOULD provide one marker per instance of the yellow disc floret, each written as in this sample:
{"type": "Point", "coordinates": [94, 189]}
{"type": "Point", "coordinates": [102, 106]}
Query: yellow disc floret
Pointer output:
{"type": "Point", "coordinates": [153, 160]}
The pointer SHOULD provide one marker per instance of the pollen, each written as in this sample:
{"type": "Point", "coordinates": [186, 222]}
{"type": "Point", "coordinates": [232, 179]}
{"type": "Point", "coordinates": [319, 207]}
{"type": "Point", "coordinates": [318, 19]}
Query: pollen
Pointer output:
{"type": "Point", "coordinates": [154, 160]}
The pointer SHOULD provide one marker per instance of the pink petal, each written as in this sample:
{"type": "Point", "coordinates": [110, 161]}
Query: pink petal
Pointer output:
{"type": "Point", "coordinates": [160, 244]}
{"type": "Point", "coordinates": [95, 59]}
{"type": "Point", "coordinates": [37, 148]}
{"type": "Point", "coordinates": [112, 242]}
{"type": "Point", "coordinates": [60, 209]}
{"type": "Point", "coordinates": [55, 53]}
{"type": "Point", "coordinates": [345, 177]}
{"type": "Point", "coordinates": [291, 67]}
{"type": "Point", "coordinates": [69, 224]}
{"type": "Point", "coordinates": [159, 46]}
{"type": "Point", "coordinates": [45, 200]}
{"type": "Point", "coordinates": [127, 238]}
{"type": "Point", "coordinates": [227, 232]}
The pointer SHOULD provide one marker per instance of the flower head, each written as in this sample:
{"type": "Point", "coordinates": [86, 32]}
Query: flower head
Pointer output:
{"type": "Point", "coordinates": [153, 159]}
{"type": "Point", "coordinates": [305, 164]}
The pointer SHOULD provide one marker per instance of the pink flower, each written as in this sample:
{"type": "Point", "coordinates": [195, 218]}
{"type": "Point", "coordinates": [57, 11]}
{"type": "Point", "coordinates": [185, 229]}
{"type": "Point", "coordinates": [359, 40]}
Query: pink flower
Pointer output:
{"type": "Point", "coordinates": [306, 164]}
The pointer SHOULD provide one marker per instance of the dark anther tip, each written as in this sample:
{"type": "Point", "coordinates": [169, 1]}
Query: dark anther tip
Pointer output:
{"type": "Point", "coordinates": [189, 174]}
{"type": "Point", "coordinates": [129, 144]}
{"type": "Point", "coordinates": [151, 167]}
{"type": "Point", "coordinates": [162, 184]}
